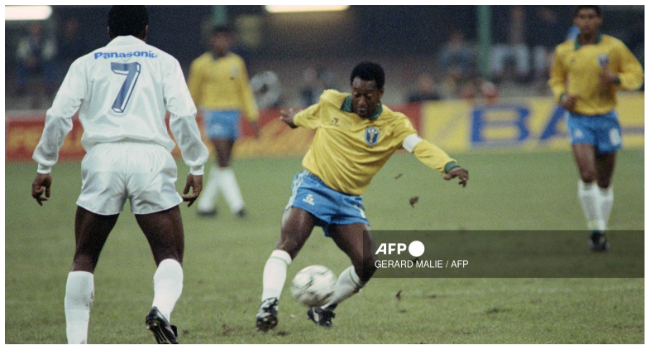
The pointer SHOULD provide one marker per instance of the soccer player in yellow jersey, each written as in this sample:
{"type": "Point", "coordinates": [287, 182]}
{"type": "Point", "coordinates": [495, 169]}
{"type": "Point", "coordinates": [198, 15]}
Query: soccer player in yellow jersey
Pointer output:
{"type": "Point", "coordinates": [585, 76]}
{"type": "Point", "coordinates": [219, 84]}
{"type": "Point", "coordinates": [355, 136]}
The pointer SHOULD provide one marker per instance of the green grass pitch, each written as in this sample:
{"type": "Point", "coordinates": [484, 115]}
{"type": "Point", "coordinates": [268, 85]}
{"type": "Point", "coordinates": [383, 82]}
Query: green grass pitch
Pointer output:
{"type": "Point", "coordinates": [224, 258]}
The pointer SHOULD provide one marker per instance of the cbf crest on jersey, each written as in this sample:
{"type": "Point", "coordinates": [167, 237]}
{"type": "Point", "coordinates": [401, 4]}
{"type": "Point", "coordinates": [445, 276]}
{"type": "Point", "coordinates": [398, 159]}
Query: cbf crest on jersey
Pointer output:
{"type": "Point", "coordinates": [603, 61]}
{"type": "Point", "coordinates": [372, 135]}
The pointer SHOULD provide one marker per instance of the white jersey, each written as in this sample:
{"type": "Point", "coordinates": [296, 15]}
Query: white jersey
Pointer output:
{"type": "Point", "coordinates": [122, 92]}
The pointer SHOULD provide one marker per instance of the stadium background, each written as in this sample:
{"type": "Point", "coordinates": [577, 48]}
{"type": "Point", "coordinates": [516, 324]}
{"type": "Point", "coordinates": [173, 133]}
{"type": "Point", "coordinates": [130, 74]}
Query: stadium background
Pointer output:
{"type": "Point", "coordinates": [506, 129]}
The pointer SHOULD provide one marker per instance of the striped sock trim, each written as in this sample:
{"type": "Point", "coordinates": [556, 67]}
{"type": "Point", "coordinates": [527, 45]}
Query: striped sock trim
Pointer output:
{"type": "Point", "coordinates": [276, 258]}
{"type": "Point", "coordinates": [281, 255]}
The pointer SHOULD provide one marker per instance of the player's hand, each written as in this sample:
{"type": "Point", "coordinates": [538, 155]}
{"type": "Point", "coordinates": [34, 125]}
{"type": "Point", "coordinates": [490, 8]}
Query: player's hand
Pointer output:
{"type": "Point", "coordinates": [287, 117]}
{"type": "Point", "coordinates": [196, 183]}
{"type": "Point", "coordinates": [607, 77]}
{"type": "Point", "coordinates": [568, 102]}
{"type": "Point", "coordinates": [40, 186]}
{"type": "Point", "coordinates": [460, 173]}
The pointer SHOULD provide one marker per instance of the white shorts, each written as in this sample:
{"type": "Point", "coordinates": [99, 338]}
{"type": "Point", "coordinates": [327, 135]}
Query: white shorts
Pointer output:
{"type": "Point", "coordinates": [143, 172]}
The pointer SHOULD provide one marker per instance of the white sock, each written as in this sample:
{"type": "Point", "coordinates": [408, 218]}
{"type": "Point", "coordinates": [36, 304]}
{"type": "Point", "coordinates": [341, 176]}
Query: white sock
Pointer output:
{"type": "Point", "coordinates": [348, 284]}
{"type": "Point", "coordinates": [275, 273]}
{"type": "Point", "coordinates": [589, 197]}
{"type": "Point", "coordinates": [167, 286]}
{"type": "Point", "coordinates": [78, 298]}
{"type": "Point", "coordinates": [606, 202]}
{"type": "Point", "coordinates": [228, 184]}
{"type": "Point", "coordinates": [210, 192]}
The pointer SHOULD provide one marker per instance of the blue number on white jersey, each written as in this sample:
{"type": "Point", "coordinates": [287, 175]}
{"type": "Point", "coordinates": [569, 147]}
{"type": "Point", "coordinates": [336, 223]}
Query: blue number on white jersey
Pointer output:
{"type": "Point", "coordinates": [132, 71]}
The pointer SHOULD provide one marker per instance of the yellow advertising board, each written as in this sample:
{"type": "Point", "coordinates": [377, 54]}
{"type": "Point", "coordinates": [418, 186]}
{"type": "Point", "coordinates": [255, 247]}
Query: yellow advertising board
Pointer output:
{"type": "Point", "coordinates": [535, 123]}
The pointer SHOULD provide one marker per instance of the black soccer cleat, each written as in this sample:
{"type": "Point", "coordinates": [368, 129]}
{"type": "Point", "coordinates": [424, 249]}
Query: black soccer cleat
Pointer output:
{"type": "Point", "coordinates": [160, 327]}
{"type": "Point", "coordinates": [241, 214]}
{"type": "Point", "coordinates": [598, 242]}
{"type": "Point", "coordinates": [321, 317]}
{"type": "Point", "coordinates": [267, 316]}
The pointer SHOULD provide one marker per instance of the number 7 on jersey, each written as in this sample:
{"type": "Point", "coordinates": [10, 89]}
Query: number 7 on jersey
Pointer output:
{"type": "Point", "coordinates": [132, 71]}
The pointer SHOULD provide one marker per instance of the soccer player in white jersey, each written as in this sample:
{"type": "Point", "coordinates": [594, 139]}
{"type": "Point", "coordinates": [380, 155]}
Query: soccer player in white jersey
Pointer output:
{"type": "Point", "coordinates": [122, 91]}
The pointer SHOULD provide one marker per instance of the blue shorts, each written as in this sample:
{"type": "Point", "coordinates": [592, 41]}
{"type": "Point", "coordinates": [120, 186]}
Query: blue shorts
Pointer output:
{"type": "Point", "coordinates": [601, 131]}
{"type": "Point", "coordinates": [221, 124]}
{"type": "Point", "coordinates": [328, 206]}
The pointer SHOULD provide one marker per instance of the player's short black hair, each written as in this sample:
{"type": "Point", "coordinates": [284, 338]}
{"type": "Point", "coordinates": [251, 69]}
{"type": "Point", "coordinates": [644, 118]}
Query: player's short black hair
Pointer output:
{"type": "Point", "coordinates": [593, 7]}
{"type": "Point", "coordinates": [369, 71]}
{"type": "Point", "coordinates": [221, 29]}
{"type": "Point", "coordinates": [128, 20]}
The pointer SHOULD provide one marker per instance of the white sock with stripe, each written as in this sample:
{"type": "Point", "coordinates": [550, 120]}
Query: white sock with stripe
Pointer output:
{"type": "Point", "coordinates": [210, 192]}
{"type": "Point", "coordinates": [348, 284]}
{"type": "Point", "coordinates": [167, 286]}
{"type": "Point", "coordinates": [606, 196]}
{"type": "Point", "coordinates": [228, 184]}
{"type": "Point", "coordinates": [275, 273]}
{"type": "Point", "coordinates": [78, 299]}
{"type": "Point", "coordinates": [590, 200]}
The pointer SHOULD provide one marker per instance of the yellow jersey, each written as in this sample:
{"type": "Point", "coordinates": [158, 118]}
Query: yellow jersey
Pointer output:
{"type": "Point", "coordinates": [347, 150]}
{"type": "Point", "coordinates": [576, 71]}
{"type": "Point", "coordinates": [221, 83]}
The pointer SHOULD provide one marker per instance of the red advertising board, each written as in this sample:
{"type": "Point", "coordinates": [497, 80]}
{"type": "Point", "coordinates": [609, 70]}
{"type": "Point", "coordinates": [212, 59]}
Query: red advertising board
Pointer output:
{"type": "Point", "coordinates": [23, 131]}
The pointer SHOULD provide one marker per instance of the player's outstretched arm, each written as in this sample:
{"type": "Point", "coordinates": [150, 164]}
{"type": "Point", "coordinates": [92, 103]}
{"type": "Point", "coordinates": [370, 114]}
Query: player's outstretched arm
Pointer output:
{"type": "Point", "coordinates": [435, 158]}
{"type": "Point", "coordinates": [196, 183]}
{"type": "Point", "coordinates": [461, 173]}
{"type": "Point", "coordinates": [40, 186]}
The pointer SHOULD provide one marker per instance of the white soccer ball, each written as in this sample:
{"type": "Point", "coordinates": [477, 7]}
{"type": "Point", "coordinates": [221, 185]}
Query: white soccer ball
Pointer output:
{"type": "Point", "coordinates": [314, 285]}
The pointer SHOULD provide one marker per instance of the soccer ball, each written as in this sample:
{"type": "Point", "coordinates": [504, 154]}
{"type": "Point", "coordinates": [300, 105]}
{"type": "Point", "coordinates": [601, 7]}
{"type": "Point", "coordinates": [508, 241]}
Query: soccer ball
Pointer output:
{"type": "Point", "coordinates": [314, 285]}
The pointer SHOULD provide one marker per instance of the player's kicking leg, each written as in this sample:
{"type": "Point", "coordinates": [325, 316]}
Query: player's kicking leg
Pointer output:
{"type": "Point", "coordinates": [164, 231]}
{"type": "Point", "coordinates": [356, 241]}
{"type": "Point", "coordinates": [297, 225]}
{"type": "Point", "coordinates": [590, 194]}
{"type": "Point", "coordinates": [91, 232]}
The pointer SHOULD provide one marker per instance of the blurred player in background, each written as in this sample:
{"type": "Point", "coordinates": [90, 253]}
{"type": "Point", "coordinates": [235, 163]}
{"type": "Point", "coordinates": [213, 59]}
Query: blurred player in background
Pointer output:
{"type": "Point", "coordinates": [122, 91]}
{"type": "Point", "coordinates": [219, 85]}
{"type": "Point", "coordinates": [356, 134]}
{"type": "Point", "coordinates": [585, 76]}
